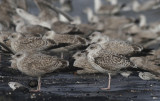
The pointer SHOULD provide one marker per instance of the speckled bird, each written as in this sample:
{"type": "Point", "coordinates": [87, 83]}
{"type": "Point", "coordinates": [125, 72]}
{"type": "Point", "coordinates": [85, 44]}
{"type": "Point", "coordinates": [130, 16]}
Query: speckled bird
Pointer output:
{"type": "Point", "coordinates": [65, 38]}
{"type": "Point", "coordinates": [107, 62]}
{"type": "Point", "coordinates": [22, 43]}
{"type": "Point", "coordinates": [38, 64]}
{"type": "Point", "coordinates": [117, 46]}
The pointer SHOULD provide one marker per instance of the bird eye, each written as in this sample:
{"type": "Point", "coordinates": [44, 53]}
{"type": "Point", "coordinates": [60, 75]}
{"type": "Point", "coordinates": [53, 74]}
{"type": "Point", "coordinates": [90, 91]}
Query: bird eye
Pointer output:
{"type": "Point", "coordinates": [12, 36]}
{"type": "Point", "coordinates": [98, 40]}
{"type": "Point", "coordinates": [46, 35]}
{"type": "Point", "coordinates": [93, 35]}
{"type": "Point", "coordinates": [18, 21]}
{"type": "Point", "coordinates": [91, 47]}
{"type": "Point", "coordinates": [18, 55]}
{"type": "Point", "coordinates": [79, 55]}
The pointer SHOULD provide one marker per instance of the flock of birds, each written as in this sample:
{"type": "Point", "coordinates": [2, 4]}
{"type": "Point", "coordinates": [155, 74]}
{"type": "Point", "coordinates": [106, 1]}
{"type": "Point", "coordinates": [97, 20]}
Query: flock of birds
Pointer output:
{"type": "Point", "coordinates": [109, 43]}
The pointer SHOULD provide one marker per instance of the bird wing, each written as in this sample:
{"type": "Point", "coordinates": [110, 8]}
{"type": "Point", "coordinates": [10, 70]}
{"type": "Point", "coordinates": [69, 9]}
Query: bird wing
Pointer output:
{"type": "Point", "coordinates": [112, 61]}
{"type": "Point", "coordinates": [46, 63]}
{"type": "Point", "coordinates": [28, 40]}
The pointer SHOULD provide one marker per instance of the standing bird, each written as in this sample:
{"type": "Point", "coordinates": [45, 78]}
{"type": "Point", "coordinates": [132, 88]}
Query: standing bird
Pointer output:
{"type": "Point", "coordinates": [107, 62]}
{"type": "Point", "coordinates": [38, 64]}
{"type": "Point", "coordinates": [22, 43]}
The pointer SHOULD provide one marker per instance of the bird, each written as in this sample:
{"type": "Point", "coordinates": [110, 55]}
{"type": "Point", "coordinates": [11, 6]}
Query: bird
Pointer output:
{"type": "Point", "coordinates": [90, 16]}
{"type": "Point", "coordinates": [137, 7]}
{"type": "Point", "coordinates": [4, 38]}
{"type": "Point", "coordinates": [64, 27]}
{"type": "Point", "coordinates": [32, 19]}
{"type": "Point", "coordinates": [38, 64]}
{"type": "Point", "coordinates": [113, 2]}
{"type": "Point", "coordinates": [17, 86]}
{"type": "Point", "coordinates": [46, 14]}
{"type": "Point", "coordinates": [70, 40]}
{"type": "Point", "coordinates": [106, 9]}
{"type": "Point", "coordinates": [32, 30]}
{"type": "Point", "coordinates": [6, 13]}
{"type": "Point", "coordinates": [81, 62]}
{"type": "Point", "coordinates": [76, 19]}
{"type": "Point", "coordinates": [147, 63]}
{"type": "Point", "coordinates": [95, 36]}
{"type": "Point", "coordinates": [21, 43]}
{"type": "Point", "coordinates": [65, 38]}
{"type": "Point", "coordinates": [107, 62]}
{"type": "Point", "coordinates": [118, 46]}
{"type": "Point", "coordinates": [148, 76]}
{"type": "Point", "coordinates": [108, 22]}
{"type": "Point", "coordinates": [66, 5]}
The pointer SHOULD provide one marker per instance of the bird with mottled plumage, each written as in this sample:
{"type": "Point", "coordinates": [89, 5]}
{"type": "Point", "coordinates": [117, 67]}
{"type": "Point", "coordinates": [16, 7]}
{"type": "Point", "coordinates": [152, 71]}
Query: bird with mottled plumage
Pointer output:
{"type": "Point", "coordinates": [22, 43]}
{"type": "Point", "coordinates": [107, 62]}
{"type": "Point", "coordinates": [38, 64]}
{"type": "Point", "coordinates": [30, 30]}
{"type": "Point", "coordinates": [81, 62]}
{"type": "Point", "coordinates": [63, 27]}
{"type": "Point", "coordinates": [117, 46]}
{"type": "Point", "coordinates": [65, 38]}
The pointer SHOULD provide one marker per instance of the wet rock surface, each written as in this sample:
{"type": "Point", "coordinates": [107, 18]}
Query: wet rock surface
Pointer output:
{"type": "Point", "coordinates": [84, 87]}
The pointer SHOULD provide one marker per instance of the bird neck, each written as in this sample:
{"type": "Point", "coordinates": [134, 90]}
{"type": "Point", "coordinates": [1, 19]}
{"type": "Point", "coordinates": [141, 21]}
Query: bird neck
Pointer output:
{"type": "Point", "coordinates": [143, 21]}
{"type": "Point", "coordinates": [20, 27]}
{"type": "Point", "coordinates": [97, 5]}
{"type": "Point", "coordinates": [91, 55]}
{"type": "Point", "coordinates": [89, 15]}
{"type": "Point", "coordinates": [1, 26]}
{"type": "Point", "coordinates": [62, 18]}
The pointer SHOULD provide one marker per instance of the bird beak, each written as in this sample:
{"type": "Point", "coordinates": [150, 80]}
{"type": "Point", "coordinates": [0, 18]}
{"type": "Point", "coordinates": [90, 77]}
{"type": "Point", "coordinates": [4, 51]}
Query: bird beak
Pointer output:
{"type": "Point", "coordinates": [85, 51]}
{"type": "Point", "coordinates": [5, 40]}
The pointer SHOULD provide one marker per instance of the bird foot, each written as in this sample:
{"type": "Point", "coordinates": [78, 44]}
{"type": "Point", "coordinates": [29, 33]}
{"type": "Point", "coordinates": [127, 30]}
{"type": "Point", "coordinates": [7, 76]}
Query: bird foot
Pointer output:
{"type": "Point", "coordinates": [75, 73]}
{"type": "Point", "coordinates": [108, 88]}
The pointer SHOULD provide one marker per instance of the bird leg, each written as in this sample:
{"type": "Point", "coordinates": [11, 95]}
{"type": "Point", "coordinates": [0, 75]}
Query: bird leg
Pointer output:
{"type": "Point", "coordinates": [62, 57]}
{"type": "Point", "coordinates": [39, 84]}
{"type": "Point", "coordinates": [38, 87]}
{"type": "Point", "coordinates": [109, 82]}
